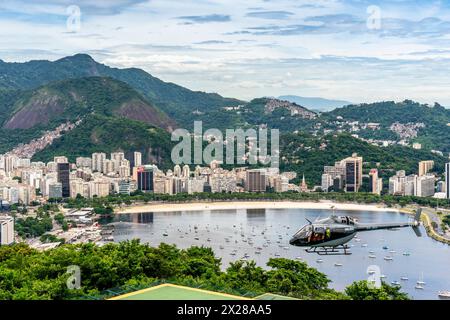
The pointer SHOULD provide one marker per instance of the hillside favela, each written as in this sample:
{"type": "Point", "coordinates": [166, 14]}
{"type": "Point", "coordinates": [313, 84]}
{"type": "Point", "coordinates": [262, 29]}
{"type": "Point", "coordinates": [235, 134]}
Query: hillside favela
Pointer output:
{"type": "Point", "coordinates": [184, 150]}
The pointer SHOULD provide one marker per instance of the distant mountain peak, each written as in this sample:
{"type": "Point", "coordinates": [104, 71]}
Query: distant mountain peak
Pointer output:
{"type": "Point", "coordinates": [316, 103]}
{"type": "Point", "coordinates": [81, 57]}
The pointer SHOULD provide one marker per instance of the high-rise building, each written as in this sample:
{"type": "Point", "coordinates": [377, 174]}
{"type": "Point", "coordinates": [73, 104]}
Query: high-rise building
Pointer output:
{"type": "Point", "coordinates": [177, 171]}
{"type": "Point", "coordinates": [186, 171]}
{"type": "Point", "coordinates": [83, 162]}
{"type": "Point", "coordinates": [6, 231]}
{"type": "Point", "coordinates": [64, 178]}
{"type": "Point", "coordinates": [61, 159]}
{"type": "Point", "coordinates": [145, 178]}
{"type": "Point", "coordinates": [108, 166]}
{"type": "Point", "coordinates": [97, 161]}
{"type": "Point", "coordinates": [425, 186]}
{"type": "Point", "coordinates": [124, 187]}
{"type": "Point", "coordinates": [353, 173]}
{"type": "Point", "coordinates": [447, 180]}
{"type": "Point", "coordinates": [55, 190]}
{"type": "Point", "coordinates": [376, 183]}
{"type": "Point", "coordinates": [116, 158]}
{"type": "Point", "coordinates": [255, 181]}
{"type": "Point", "coordinates": [425, 167]}
{"type": "Point", "coordinates": [137, 158]}
{"type": "Point", "coordinates": [327, 182]}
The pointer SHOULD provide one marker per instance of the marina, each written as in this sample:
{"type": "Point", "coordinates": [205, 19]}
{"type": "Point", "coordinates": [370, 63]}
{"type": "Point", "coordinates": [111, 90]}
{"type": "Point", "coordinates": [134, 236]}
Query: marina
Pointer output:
{"type": "Point", "coordinates": [267, 233]}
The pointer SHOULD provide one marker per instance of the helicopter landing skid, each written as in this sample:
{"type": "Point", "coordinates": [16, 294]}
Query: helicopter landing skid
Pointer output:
{"type": "Point", "coordinates": [323, 251]}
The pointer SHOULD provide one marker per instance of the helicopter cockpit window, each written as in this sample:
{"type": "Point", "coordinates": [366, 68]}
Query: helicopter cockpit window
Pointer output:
{"type": "Point", "coordinates": [304, 232]}
{"type": "Point", "coordinates": [319, 230]}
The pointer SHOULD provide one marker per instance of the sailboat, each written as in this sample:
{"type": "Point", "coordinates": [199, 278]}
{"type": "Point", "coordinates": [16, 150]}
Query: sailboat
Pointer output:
{"type": "Point", "coordinates": [420, 282]}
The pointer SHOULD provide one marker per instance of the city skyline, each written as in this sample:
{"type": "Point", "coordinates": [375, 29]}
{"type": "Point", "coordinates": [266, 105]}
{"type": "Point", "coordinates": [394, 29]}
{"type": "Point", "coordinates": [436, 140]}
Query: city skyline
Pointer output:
{"type": "Point", "coordinates": [24, 181]}
{"type": "Point", "coordinates": [250, 50]}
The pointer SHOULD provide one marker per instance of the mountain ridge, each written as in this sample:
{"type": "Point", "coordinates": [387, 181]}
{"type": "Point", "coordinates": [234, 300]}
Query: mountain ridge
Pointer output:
{"type": "Point", "coordinates": [70, 99]}
{"type": "Point", "coordinates": [177, 101]}
{"type": "Point", "coordinates": [315, 103]}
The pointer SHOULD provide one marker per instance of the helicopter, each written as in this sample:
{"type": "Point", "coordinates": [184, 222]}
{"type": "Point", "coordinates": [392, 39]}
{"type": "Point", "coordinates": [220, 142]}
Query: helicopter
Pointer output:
{"type": "Point", "coordinates": [330, 235]}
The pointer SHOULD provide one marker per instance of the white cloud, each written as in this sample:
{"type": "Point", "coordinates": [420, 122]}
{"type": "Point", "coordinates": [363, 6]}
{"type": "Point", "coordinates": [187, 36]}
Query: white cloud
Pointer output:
{"type": "Point", "coordinates": [343, 60]}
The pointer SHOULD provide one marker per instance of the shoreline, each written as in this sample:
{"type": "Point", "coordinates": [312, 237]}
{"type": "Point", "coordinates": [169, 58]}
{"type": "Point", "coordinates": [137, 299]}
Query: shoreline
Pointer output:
{"type": "Point", "coordinates": [237, 205]}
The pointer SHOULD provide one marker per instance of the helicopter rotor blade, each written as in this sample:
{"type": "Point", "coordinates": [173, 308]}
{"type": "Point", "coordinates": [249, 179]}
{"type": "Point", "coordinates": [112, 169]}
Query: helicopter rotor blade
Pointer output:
{"type": "Point", "coordinates": [309, 221]}
{"type": "Point", "coordinates": [417, 231]}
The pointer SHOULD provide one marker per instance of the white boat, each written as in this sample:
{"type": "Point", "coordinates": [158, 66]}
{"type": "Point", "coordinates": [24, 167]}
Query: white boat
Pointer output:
{"type": "Point", "coordinates": [419, 287]}
{"type": "Point", "coordinates": [406, 254]}
{"type": "Point", "coordinates": [364, 245]}
{"type": "Point", "coordinates": [319, 260]}
{"type": "Point", "coordinates": [372, 256]}
{"type": "Point", "coordinates": [337, 264]}
{"type": "Point", "coordinates": [387, 258]}
{"type": "Point", "coordinates": [444, 294]}
{"type": "Point", "coordinates": [392, 251]}
{"type": "Point", "coordinates": [165, 234]}
{"type": "Point", "coordinates": [420, 282]}
{"type": "Point", "coordinates": [404, 278]}
{"type": "Point", "coordinates": [395, 283]}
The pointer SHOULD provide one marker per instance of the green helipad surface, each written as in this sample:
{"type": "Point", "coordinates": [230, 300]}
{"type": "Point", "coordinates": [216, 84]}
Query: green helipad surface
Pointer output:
{"type": "Point", "coordinates": [174, 292]}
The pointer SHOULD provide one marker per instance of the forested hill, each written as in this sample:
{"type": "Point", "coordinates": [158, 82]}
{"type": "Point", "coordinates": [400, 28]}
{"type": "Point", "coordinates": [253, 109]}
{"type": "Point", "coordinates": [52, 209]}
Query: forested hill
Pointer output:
{"type": "Point", "coordinates": [178, 102]}
{"type": "Point", "coordinates": [429, 123]}
{"type": "Point", "coordinates": [27, 115]}
{"type": "Point", "coordinates": [307, 154]}
{"type": "Point", "coordinates": [389, 112]}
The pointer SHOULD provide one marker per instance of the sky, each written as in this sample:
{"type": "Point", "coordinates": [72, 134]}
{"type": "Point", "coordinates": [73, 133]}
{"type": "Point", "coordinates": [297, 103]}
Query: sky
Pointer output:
{"type": "Point", "coordinates": [353, 50]}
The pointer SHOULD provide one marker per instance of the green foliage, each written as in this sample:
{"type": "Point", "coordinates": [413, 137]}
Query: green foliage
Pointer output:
{"type": "Point", "coordinates": [361, 290]}
{"type": "Point", "coordinates": [446, 220]}
{"type": "Point", "coordinates": [29, 274]}
{"type": "Point", "coordinates": [59, 218]}
{"type": "Point", "coordinates": [110, 134]}
{"type": "Point", "coordinates": [48, 238]}
{"type": "Point", "coordinates": [178, 102]}
{"type": "Point", "coordinates": [434, 117]}
{"type": "Point", "coordinates": [308, 154]}
{"type": "Point", "coordinates": [33, 227]}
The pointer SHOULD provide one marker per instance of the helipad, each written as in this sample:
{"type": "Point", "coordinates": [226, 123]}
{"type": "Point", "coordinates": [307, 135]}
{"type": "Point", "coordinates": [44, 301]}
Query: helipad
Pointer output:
{"type": "Point", "coordinates": [175, 292]}
{"type": "Point", "coordinates": [170, 291]}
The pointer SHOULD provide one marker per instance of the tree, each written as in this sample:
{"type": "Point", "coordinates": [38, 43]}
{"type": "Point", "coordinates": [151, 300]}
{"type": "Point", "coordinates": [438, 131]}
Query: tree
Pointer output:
{"type": "Point", "coordinates": [361, 290]}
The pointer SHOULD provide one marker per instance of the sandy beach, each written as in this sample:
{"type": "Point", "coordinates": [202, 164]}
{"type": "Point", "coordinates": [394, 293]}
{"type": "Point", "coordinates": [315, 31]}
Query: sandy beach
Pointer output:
{"type": "Point", "coordinates": [198, 206]}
